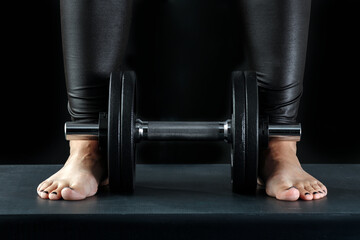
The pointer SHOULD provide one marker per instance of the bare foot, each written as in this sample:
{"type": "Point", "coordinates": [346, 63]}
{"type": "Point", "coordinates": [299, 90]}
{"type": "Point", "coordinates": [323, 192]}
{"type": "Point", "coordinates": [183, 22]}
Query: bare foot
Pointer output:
{"type": "Point", "coordinates": [79, 177]}
{"type": "Point", "coordinates": [284, 177]}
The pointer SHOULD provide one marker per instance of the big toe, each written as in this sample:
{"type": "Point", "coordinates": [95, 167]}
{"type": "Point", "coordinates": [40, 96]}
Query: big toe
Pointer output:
{"type": "Point", "coordinates": [289, 194]}
{"type": "Point", "coordinates": [71, 194]}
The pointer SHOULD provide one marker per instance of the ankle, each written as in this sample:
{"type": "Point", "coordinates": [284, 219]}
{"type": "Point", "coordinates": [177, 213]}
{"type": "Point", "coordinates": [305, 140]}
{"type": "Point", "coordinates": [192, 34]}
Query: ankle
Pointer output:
{"type": "Point", "coordinates": [84, 147]}
{"type": "Point", "coordinates": [279, 150]}
{"type": "Point", "coordinates": [278, 153]}
{"type": "Point", "coordinates": [279, 145]}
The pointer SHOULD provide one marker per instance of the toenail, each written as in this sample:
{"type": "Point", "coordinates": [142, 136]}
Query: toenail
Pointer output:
{"type": "Point", "coordinates": [307, 193]}
{"type": "Point", "coordinates": [315, 192]}
{"type": "Point", "coordinates": [41, 190]}
{"type": "Point", "coordinates": [54, 193]}
{"type": "Point", "coordinates": [46, 192]}
{"type": "Point", "coordinates": [320, 191]}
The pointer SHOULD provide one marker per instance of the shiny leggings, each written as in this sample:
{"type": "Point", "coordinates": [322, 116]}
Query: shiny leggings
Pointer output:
{"type": "Point", "coordinates": [95, 35]}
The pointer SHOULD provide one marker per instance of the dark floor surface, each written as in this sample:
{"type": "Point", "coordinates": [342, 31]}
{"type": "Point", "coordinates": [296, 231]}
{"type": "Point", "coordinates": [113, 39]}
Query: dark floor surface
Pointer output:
{"type": "Point", "coordinates": [181, 202]}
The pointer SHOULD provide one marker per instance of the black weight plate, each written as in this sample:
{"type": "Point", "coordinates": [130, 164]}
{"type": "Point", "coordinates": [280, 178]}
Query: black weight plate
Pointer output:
{"type": "Point", "coordinates": [121, 155]}
{"type": "Point", "coordinates": [238, 138]}
{"type": "Point", "coordinates": [252, 134]}
{"type": "Point", "coordinates": [113, 154]}
{"type": "Point", "coordinates": [244, 155]}
{"type": "Point", "coordinates": [127, 132]}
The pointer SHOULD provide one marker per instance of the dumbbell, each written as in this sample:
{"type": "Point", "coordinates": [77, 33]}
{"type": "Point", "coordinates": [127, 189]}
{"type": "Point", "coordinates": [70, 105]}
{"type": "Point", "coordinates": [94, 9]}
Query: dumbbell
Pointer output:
{"type": "Point", "coordinates": [119, 130]}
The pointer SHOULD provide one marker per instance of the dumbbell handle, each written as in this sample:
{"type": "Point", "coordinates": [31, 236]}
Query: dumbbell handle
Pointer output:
{"type": "Point", "coordinates": [157, 130]}
{"type": "Point", "coordinates": [81, 131]}
{"type": "Point", "coordinates": [163, 130]}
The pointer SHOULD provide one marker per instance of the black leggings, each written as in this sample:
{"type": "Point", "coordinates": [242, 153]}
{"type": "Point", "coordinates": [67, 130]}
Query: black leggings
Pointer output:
{"type": "Point", "coordinates": [95, 34]}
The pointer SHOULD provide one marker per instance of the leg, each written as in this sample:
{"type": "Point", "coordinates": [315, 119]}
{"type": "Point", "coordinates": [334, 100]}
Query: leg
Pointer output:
{"type": "Point", "coordinates": [94, 35]}
{"type": "Point", "coordinates": [276, 41]}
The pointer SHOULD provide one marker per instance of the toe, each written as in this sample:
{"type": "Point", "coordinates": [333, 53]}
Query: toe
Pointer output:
{"type": "Point", "coordinates": [39, 187]}
{"type": "Point", "coordinates": [323, 188]}
{"type": "Point", "coordinates": [56, 193]}
{"type": "Point", "coordinates": [43, 194]}
{"type": "Point", "coordinates": [305, 194]}
{"type": "Point", "coordinates": [318, 193]}
{"type": "Point", "coordinates": [42, 189]}
{"type": "Point", "coordinates": [44, 185]}
{"type": "Point", "coordinates": [310, 190]}
{"type": "Point", "coordinates": [51, 188]}
{"type": "Point", "coordinates": [68, 193]}
{"type": "Point", "coordinates": [289, 194]}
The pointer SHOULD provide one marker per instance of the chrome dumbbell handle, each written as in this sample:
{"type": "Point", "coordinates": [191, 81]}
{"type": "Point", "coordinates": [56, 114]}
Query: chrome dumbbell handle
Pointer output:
{"type": "Point", "coordinates": [182, 130]}
{"type": "Point", "coordinates": [161, 130]}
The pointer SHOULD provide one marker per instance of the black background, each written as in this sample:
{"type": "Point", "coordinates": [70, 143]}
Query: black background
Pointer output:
{"type": "Point", "coordinates": [183, 52]}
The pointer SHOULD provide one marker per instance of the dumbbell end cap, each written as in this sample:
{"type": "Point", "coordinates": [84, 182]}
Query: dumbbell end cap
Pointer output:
{"type": "Point", "coordinates": [285, 132]}
{"type": "Point", "coordinates": [81, 131]}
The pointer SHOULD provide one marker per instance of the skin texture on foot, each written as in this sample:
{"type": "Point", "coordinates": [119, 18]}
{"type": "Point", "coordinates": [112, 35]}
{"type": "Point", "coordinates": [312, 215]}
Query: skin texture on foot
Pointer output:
{"type": "Point", "coordinates": [284, 177]}
{"type": "Point", "coordinates": [79, 178]}
{"type": "Point", "coordinates": [280, 169]}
